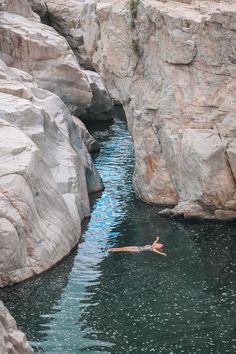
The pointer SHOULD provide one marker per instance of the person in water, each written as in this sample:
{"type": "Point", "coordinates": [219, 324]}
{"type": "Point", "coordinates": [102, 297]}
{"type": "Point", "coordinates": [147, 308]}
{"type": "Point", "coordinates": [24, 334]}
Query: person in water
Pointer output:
{"type": "Point", "coordinates": [155, 247]}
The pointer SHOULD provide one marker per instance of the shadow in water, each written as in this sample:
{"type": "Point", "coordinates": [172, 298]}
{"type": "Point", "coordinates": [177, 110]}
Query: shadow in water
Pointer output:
{"type": "Point", "coordinates": [34, 302]}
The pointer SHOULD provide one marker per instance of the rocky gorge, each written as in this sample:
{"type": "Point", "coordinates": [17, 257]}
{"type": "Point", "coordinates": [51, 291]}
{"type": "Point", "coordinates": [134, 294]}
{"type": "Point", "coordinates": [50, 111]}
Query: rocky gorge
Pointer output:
{"type": "Point", "coordinates": [170, 64]}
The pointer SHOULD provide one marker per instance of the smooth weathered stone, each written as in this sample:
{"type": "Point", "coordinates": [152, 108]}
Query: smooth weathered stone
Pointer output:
{"type": "Point", "coordinates": [101, 107]}
{"type": "Point", "coordinates": [53, 174]}
{"type": "Point", "coordinates": [45, 119]}
{"type": "Point", "coordinates": [29, 45]}
{"type": "Point", "coordinates": [12, 340]}
{"type": "Point", "coordinates": [64, 16]}
{"type": "Point", "coordinates": [33, 211]}
{"type": "Point", "coordinates": [79, 129]}
{"type": "Point", "coordinates": [19, 7]}
{"type": "Point", "coordinates": [38, 6]}
{"type": "Point", "coordinates": [206, 176]}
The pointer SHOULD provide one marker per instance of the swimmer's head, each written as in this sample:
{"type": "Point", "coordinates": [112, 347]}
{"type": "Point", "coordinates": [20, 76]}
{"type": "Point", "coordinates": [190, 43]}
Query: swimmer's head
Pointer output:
{"type": "Point", "coordinates": [159, 246]}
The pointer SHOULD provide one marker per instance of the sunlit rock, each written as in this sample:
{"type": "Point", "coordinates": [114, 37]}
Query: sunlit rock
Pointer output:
{"type": "Point", "coordinates": [46, 177]}
{"type": "Point", "coordinates": [29, 45]}
{"type": "Point", "coordinates": [64, 16]}
{"type": "Point", "coordinates": [172, 66]}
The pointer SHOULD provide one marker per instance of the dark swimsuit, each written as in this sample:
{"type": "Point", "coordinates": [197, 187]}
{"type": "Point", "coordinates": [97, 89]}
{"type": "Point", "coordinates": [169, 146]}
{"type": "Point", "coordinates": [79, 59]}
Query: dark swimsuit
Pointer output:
{"type": "Point", "coordinates": [144, 248]}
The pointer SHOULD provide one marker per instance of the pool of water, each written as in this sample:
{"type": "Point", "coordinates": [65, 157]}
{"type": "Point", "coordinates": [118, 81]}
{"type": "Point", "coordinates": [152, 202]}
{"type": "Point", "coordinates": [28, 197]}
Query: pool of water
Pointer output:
{"type": "Point", "coordinates": [96, 302]}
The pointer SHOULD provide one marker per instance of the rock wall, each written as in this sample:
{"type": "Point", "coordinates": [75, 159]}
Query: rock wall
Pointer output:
{"type": "Point", "coordinates": [173, 67]}
{"type": "Point", "coordinates": [45, 175]}
{"type": "Point", "coordinates": [12, 341]}
{"type": "Point", "coordinates": [65, 18]}
{"type": "Point", "coordinates": [29, 45]}
{"type": "Point", "coordinates": [46, 171]}
{"type": "Point", "coordinates": [171, 64]}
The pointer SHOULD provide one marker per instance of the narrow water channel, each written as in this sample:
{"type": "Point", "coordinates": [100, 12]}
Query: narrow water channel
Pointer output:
{"type": "Point", "coordinates": [95, 302]}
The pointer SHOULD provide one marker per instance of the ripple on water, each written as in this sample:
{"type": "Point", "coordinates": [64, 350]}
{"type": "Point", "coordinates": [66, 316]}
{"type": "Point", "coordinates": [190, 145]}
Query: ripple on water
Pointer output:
{"type": "Point", "coordinates": [95, 302]}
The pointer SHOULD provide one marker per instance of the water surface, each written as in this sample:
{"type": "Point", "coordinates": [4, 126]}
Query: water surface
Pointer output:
{"type": "Point", "coordinates": [95, 302]}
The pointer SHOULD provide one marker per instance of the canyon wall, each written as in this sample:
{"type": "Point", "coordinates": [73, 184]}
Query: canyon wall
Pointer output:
{"type": "Point", "coordinates": [46, 171]}
{"type": "Point", "coordinates": [172, 65]}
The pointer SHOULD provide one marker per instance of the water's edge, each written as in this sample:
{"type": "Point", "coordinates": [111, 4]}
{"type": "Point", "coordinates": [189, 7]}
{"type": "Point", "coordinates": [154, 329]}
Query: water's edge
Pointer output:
{"type": "Point", "coordinates": [96, 302]}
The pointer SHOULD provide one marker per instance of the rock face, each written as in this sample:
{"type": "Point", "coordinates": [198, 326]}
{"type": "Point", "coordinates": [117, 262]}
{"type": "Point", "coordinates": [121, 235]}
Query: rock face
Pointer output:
{"type": "Point", "coordinates": [173, 67]}
{"type": "Point", "coordinates": [79, 130]}
{"type": "Point", "coordinates": [101, 107]}
{"type": "Point", "coordinates": [65, 18]}
{"type": "Point", "coordinates": [29, 45]}
{"type": "Point", "coordinates": [12, 341]}
{"type": "Point", "coordinates": [45, 175]}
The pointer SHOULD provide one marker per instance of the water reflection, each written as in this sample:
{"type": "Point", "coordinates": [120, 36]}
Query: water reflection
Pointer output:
{"type": "Point", "coordinates": [175, 304]}
{"type": "Point", "coordinates": [34, 303]}
{"type": "Point", "coordinates": [96, 302]}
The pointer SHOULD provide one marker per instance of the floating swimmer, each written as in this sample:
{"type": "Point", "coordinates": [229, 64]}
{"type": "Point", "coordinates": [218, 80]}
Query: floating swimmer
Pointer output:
{"type": "Point", "coordinates": [155, 247]}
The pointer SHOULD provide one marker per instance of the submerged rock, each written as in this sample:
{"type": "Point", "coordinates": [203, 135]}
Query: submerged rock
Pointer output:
{"type": "Point", "coordinates": [12, 340]}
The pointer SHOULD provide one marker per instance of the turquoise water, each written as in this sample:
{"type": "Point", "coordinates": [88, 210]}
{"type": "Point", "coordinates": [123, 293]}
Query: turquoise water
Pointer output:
{"type": "Point", "coordinates": [95, 302]}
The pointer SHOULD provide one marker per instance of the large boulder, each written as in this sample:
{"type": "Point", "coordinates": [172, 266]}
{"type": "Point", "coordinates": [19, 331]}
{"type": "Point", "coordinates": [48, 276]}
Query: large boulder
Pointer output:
{"type": "Point", "coordinates": [29, 45]}
{"type": "Point", "coordinates": [12, 340]}
{"type": "Point", "coordinates": [101, 107]}
{"type": "Point", "coordinates": [17, 7]}
{"type": "Point", "coordinates": [36, 227]}
{"type": "Point", "coordinates": [172, 66]}
{"type": "Point", "coordinates": [79, 130]}
{"type": "Point", "coordinates": [45, 179]}
{"type": "Point", "coordinates": [64, 16]}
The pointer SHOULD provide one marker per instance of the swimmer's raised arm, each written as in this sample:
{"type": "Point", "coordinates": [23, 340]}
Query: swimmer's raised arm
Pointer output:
{"type": "Point", "coordinates": [156, 241]}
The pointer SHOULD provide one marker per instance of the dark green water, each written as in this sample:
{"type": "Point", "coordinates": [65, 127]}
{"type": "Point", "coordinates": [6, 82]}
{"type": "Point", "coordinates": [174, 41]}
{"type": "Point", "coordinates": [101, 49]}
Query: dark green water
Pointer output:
{"type": "Point", "coordinates": [95, 302]}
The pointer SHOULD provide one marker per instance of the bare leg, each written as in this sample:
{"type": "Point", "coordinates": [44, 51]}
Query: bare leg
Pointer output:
{"type": "Point", "coordinates": [123, 249]}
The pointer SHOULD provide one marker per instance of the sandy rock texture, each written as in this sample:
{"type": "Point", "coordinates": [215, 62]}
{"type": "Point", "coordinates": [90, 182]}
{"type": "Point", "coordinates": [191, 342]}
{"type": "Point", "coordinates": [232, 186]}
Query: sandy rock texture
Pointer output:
{"type": "Point", "coordinates": [173, 67]}
{"type": "Point", "coordinates": [46, 174]}
{"type": "Point", "coordinates": [29, 45]}
{"type": "Point", "coordinates": [12, 341]}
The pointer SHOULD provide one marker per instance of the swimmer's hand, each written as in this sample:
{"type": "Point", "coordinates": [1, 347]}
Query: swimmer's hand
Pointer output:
{"type": "Point", "coordinates": [161, 253]}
